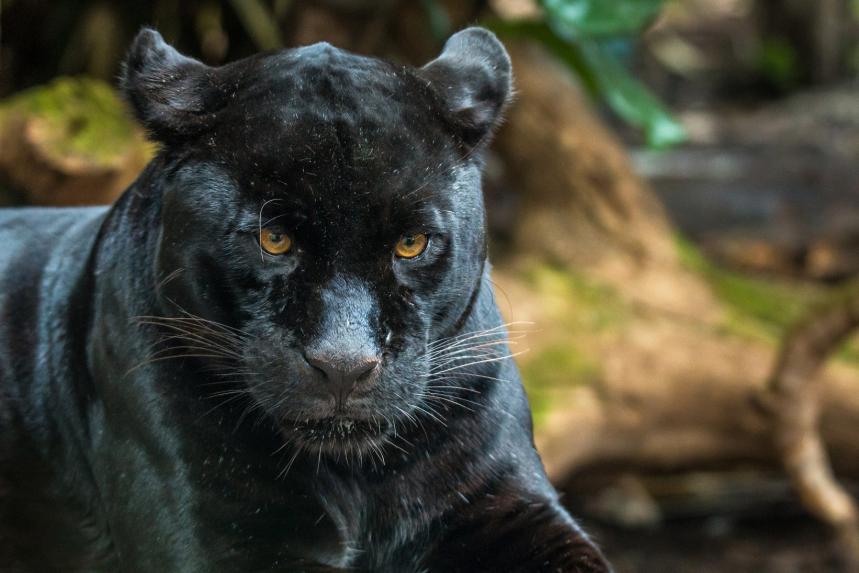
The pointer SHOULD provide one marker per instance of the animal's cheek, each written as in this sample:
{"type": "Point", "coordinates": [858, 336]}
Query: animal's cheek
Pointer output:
{"type": "Point", "coordinates": [276, 374]}
{"type": "Point", "coordinates": [270, 353]}
{"type": "Point", "coordinates": [407, 331]}
{"type": "Point", "coordinates": [410, 363]}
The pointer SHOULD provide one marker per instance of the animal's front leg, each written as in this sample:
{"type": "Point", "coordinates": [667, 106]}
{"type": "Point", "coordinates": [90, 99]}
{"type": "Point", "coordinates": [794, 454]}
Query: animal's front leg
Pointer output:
{"type": "Point", "coordinates": [504, 533]}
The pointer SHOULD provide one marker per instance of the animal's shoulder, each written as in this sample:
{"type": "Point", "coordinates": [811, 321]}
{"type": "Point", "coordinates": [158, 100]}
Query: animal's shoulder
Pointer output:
{"type": "Point", "coordinates": [29, 235]}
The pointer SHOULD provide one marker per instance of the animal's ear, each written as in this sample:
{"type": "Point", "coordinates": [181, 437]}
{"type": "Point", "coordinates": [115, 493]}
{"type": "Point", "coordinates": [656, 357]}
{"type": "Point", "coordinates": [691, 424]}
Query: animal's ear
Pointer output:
{"type": "Point", "coordinates": [474, 78]}
{"type": "Point", "coordinates": [169, 92]}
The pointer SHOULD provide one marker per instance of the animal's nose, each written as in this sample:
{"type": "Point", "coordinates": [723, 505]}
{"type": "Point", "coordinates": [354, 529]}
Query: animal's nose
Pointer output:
{"type": "Point", "coordinates": [343, 373]}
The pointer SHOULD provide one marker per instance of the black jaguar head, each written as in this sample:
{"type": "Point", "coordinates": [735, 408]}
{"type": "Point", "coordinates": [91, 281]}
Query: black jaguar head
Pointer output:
{"type": "Point", "coordinates": [325, 210]}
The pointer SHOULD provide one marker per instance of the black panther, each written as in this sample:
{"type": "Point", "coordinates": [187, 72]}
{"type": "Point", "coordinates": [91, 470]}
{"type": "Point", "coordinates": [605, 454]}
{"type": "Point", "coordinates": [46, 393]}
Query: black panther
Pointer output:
{"type": "Point", "coordinates": [279, 349]}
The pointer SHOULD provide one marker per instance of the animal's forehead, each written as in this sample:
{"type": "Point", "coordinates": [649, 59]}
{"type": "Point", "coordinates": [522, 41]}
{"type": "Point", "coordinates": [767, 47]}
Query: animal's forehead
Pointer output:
{"type": "Point", "coordinates": [321, 76]}
{"type": "Point", "coordinates": [325, 123]}
{"type": "Point", "coordinates": [295, 90]}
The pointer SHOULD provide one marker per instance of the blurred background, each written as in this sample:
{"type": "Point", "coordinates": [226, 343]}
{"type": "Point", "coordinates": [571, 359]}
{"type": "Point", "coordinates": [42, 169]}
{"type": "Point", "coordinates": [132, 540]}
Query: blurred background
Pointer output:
{"type": "Point", "coordinates": [674, 210]}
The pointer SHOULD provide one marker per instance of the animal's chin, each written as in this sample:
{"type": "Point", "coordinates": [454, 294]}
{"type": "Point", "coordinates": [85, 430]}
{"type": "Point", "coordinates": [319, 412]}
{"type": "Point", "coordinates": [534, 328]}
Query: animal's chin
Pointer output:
{"type": "Point", "coordinates": [336, 434]}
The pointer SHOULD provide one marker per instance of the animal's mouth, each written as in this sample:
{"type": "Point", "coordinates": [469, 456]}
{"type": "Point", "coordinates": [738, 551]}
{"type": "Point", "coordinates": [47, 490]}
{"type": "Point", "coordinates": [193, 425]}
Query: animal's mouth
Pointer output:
{"type": "Point", "coordinates": [336, 433]}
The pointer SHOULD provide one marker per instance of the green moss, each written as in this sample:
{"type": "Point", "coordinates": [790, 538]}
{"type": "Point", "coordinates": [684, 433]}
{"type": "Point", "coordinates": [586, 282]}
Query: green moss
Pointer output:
{"type": "Point", "coordinates": [757, 307]}
{"type": "Point", "coordinates": [577, 301]}
{"type": "Point", "coordinates": [762, 309]}
{"type": "Point", "coordinates": [80, 118]}
{"type": "Point", "coordinates": [556, 368]}
{"type": "Point", "coordinates": [850, 351]}
{"type": "Point", "coordinates": [580, 309]}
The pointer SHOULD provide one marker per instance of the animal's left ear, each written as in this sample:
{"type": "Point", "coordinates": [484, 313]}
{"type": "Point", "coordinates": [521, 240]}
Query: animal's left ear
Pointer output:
{"type": "Point", "coordinates": [474, 78]}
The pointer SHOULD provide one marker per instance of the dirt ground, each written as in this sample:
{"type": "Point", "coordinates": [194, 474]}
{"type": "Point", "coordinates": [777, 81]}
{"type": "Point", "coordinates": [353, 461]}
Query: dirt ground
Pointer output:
{"type": "Point", "coordinates": [777, 537]}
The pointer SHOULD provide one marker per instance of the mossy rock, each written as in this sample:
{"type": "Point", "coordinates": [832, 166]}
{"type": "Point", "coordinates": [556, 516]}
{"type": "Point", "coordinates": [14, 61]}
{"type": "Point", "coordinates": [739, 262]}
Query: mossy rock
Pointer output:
{"type": "Point", "coordinates": [70, 142]}
{"type": "Point", "coordinates": [760, 308]}
{"type": "Point", "coordinates": [567, 315]}
{"type": "Point", "coordinates": [553, 370]}
{"type": "Point", "coordinates": [579, 327]}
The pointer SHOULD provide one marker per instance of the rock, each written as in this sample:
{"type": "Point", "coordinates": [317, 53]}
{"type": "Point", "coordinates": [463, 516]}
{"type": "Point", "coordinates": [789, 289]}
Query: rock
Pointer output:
{"type": "Point", "coordinates": [70, 142]}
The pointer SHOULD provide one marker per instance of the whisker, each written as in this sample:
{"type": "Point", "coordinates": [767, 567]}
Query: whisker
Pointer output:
{"type": "Point", "coordinates": [167, 279]}
{"type": "Point", "coordinates": [469, 375]}
{"type": "Point", "coordinates": [485, 361]}
{"type": "Point", "coordinates": [431, 413]}
{"type": "Point", "coordinates": [481, 347]}
{"type": "Point", "coordinates": [489, 331]}
{"type": "Point", "coordinates": [219, 405]}
{"type": "Point", "coordinates": [464, 358]}
{"type": "Point", "coordinates": [463, 388]}
{"type": "Point", "coordinates": [181, 324]}
{"type": "Point", "coordinates": [430, 398]}
{"type": "Point", "coordinates": [291, 461]}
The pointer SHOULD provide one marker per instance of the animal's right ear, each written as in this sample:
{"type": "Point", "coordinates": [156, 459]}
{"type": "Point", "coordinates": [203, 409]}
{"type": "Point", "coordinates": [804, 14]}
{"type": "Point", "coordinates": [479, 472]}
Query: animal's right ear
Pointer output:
{"type": "Point", "coordinates": [170, 93]}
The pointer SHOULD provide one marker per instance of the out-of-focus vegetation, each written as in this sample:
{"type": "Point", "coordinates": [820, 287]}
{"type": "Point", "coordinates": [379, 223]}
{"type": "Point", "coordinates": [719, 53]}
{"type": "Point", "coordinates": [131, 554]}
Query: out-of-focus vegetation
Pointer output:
{"type": "Point", "coordinates": [591, 37]}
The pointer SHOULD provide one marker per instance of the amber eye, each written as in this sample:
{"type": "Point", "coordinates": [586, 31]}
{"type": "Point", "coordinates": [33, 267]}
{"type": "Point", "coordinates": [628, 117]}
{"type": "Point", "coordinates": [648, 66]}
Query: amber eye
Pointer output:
{"type": "Point", "coordinates": [410, 246]}
{"type": "Point", "coordinates": [274, 242]}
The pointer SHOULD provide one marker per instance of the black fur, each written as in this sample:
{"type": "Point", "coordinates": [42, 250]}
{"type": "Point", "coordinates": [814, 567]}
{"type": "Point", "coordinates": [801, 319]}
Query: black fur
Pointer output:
{"type": "Point", "coordinates": [157, 408]}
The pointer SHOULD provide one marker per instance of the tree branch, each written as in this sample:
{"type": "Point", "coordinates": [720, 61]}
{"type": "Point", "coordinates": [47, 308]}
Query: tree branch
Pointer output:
{"type": "Point", "coordinates": [794, 400]}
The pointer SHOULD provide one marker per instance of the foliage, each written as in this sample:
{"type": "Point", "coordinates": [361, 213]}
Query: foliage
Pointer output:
{"type": "Point", "coordinates": [74, 39]}
{"type": "Point", "coordinates": [582, 33]}
{"type": "Point", "coordinates": [601, 18]}
{"type": "Point", "coordinates": [437, 19]}
{"type": "Point", "coordinates": [779, 63]}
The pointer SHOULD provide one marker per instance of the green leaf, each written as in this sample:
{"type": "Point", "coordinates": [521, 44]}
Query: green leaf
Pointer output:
{"type": "Point", "coordinates": [542, 33]}
{"type": "Point", "coordinates": [629, 98]}
{"type": "Point", "coordinates": [605, 78]}
{"type": "Point", "coordinates": [600, 18]}
{"type": "Point", "coordinates": [438, 18]}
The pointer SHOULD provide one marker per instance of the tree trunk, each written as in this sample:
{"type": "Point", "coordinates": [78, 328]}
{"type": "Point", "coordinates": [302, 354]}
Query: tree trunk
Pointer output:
{"type": "Point", "coordinates": [578, 190]}
{"type": "Point", "coordinates": [580, 204]}
{"type": "Point", "coordinates": [672, 399]}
